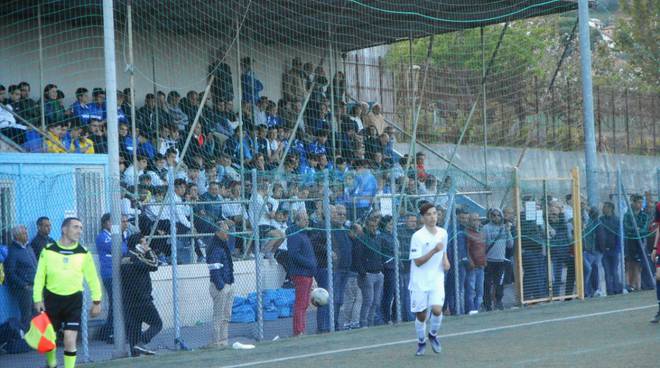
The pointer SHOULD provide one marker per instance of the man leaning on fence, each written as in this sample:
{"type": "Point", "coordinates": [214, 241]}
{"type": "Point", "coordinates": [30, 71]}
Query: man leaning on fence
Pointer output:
{"type": "Point", "coordinates": [221, 271]}
{"type": "Point", "coordinates": [20, 268]}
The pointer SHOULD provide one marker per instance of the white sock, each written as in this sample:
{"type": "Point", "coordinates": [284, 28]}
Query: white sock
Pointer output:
{"type": "Point", "coordinates": [420, 327]}
{"type": "Point", "coordinates": [436, 321]}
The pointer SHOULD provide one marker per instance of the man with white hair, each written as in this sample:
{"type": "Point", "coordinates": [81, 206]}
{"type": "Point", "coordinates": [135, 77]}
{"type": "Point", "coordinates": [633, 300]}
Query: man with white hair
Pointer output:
{"type": "Point", "coordinates": [20, 267]}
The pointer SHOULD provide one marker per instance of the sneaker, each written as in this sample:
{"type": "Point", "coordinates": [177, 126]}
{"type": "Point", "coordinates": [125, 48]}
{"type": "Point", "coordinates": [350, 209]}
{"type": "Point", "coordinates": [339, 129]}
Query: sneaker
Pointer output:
{"type": "Point", "coordinates": [421, 348]}
{"type": "Point", "coordinates": [435, 343]}
{"type": "Point", "coordinates": [656, 319]}
{"type": "Point", "coordinates": [143, 350]}
{"type": "Point", "coordinates": [473, 312]}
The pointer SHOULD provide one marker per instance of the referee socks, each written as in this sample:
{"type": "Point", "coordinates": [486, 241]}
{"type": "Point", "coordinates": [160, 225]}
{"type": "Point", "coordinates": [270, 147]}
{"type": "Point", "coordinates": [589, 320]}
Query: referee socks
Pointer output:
{"type": "Point", "coordinates": [69, 359]}
{"type": "Point", "coordinates": [51, 358]}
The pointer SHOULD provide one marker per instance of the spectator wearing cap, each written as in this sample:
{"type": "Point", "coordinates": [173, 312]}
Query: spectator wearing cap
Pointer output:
{"type": "Point", "coordinates": [20, 269]}
{"type": "Point", "coordinates": [302, 268]}
{"type": "Point", "coordinates": [104, 249]}
{"type": "Point", "coordinates": [138, 302]}
{"type": "Point", "coordinates": [498, 239]}
{"type": "Point", "coordinates": [368, 263]}
{"type": "Point", "coordinates": [98, 108]}
{"type": "Point", "coordinates": [221, 270]}
{"type": "Point", "coordinates": [386, 240]}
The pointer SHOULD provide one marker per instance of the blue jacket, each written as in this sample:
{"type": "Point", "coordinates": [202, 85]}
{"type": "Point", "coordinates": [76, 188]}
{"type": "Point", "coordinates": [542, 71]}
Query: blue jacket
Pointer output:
{"type": "Point", "coordinates": [81, 112]}
{"type": "Point", "coordinates": [302, 260]}
{"type": "Point", "coordinates": [97, 112]}
{"type": "Point", "coordinates": [221, 266]}
{"type": "Point", "coordinates": [342, 245]}
{"type": "Point", "coordinates": [367, 186]}
{"type": "Point", "coordinates": [20, 266]}
{"type": "Point", "coordinates": [251, 87]}
{"type": "Point", "coordinates": [104, 250]}
{"type": "Point", "coordinates": [145, 149]}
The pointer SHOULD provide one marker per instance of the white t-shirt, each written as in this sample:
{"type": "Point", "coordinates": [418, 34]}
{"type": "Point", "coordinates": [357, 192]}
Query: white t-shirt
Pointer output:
{"type": "Point", "coordinates": [430, 275]}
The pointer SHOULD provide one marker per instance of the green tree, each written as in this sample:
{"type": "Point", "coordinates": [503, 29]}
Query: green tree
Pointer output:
{"type": "Point", "coordinates": [637, 37]}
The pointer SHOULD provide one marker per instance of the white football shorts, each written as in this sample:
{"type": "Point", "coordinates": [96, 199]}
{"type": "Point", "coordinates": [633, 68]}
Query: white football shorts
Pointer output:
{"type": "Point", "coordinates": [423, 300]}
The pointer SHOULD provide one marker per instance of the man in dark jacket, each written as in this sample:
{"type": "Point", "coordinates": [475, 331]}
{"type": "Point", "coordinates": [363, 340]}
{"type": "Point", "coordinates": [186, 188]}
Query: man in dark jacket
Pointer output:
{"type": "Point", "coordinates": [318, 239]}
{"type": "Point", "coordinates": [369, 266]}
{"type": "Point", "coordinates": [342, 246]}
{"type": "Point", "coordinates": [608, 242]}
{"type": "Point", "coordinates": [43, 236]}
{"type": "Point", "coordinates": [20, 268]}
{"type": "Point", "coordinates": [221, 270]}
{"type": "Point", "coordinates": [139, 306]}
{"type": "Point", "coordinates": [302, 268]}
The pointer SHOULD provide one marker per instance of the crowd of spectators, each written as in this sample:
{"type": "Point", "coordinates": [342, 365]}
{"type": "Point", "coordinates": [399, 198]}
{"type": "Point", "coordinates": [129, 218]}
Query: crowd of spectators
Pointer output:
{"type": "Point", "coordinates": [214, 208]}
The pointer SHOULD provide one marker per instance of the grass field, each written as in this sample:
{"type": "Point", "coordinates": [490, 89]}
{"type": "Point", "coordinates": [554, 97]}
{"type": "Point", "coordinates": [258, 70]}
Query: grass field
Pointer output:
{"type": "Point", "coordinates": [604, 332]}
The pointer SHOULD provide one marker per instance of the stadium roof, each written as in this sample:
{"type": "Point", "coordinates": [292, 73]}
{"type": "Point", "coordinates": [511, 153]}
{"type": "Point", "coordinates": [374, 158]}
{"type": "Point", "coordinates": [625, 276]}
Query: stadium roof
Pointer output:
{"type": "Point", "coordinates": [354, 24]}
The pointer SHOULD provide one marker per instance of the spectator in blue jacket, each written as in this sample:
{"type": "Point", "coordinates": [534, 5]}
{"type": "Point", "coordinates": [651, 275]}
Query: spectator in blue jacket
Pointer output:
{"type": "Point", "coordinates": [302, 268]}
{"type": "Point", "coordinates": [366, 188]}
{"type": "Point", "coordinates": [608, 241]}
{"type": "Point", "coordinates": [144, 146]}
{"type": "Point", "coordinates": [97, 109]}
{"type": "Point", "coordinates": [80, 108]}
{"type": "Point", "coordinates": [104, 249]}
{"type": "Point", "coordinates": [221, 270]}
{"type": "Point", "coordinates": [20, 268]}
{"type": "Point", "coordinates": [249, 83]}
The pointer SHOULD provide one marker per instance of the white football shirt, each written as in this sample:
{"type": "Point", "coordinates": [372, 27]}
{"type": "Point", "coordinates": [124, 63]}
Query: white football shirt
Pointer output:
{"type": "Point", "coordinates": [431, 275]}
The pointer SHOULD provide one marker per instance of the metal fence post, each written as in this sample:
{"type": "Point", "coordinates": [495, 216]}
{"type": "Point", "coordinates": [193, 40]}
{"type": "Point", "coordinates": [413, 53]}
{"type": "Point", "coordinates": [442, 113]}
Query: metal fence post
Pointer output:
{"type": "Point", "coordinates": [257, 256]}
{"type": "Point", "coordinates": [657, 182]}
{"type": "Point", "coordinates": [174, 260]}
{"type": "Point", "coordinates": [397, 248]}
{"type": "Point", "coordinates": [457, 271]}
{"type": "Point", "coordinates": [328, 245]}
{"type": "Point", "coordinates": [84, 326]}
{"type": "Point", "coordinates": [620, 207]}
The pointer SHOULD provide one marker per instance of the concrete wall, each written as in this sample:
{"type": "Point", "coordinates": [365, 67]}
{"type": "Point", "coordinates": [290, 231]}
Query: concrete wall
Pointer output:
{"type": "Point", "coordinates": [640, 173]}
{"type": "Point", "coordinates": [73, 57]}
{"type": "Point", "coordinates": [195, 304]}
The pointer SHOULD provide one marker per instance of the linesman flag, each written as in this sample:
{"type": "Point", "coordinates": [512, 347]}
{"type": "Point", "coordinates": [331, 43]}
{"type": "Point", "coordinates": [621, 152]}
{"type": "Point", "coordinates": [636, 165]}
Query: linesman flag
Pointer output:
{"type": "Point", "coordinates": [41, 335]}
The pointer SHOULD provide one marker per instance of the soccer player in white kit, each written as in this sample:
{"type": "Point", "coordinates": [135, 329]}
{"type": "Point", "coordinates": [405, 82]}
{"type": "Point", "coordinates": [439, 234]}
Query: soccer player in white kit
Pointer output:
{"type": "Point", "coordinates": [427, 277]}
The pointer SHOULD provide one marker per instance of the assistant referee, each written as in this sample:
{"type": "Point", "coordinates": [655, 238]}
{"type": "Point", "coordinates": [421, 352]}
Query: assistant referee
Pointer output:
{"type": "Point", "coordinates": [58, 287]}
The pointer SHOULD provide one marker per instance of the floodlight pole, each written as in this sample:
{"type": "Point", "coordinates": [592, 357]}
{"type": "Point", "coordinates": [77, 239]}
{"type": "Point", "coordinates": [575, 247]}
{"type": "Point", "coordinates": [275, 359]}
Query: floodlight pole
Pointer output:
{"type": "Point", "coordinates": [119, 349]}
{"type": "Point", "coordinates": [591, 160]}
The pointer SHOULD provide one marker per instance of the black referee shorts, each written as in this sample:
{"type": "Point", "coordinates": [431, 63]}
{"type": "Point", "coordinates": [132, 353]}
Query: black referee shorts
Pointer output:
{"type": "Point", "coordinates": [64, 310]}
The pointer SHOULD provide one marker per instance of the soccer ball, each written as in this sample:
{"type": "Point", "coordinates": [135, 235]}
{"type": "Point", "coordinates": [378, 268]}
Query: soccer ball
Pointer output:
{"type": "Point", "coordinates": [320, 297]}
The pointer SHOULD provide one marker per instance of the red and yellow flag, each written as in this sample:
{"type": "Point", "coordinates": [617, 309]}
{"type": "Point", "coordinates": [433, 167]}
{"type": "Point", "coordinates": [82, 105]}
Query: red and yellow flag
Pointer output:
{"type": "Point", "coordinates": [41, 335]}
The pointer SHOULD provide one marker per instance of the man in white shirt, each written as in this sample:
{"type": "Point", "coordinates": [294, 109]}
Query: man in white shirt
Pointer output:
{"type": "Point", "coordinates": [428, 264]}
